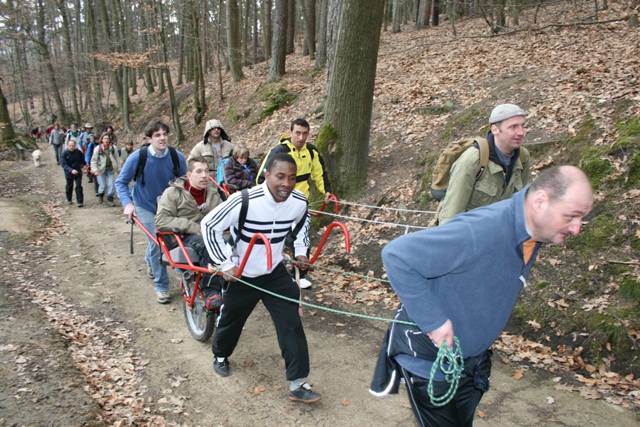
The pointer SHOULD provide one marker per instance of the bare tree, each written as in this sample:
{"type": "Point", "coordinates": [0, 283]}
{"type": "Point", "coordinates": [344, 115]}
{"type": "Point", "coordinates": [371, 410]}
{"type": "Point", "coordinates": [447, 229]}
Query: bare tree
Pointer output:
{"type": "Point", "coordinates": [344, 137]}
{"type": "Point", "coordinates": [309, 26]}
{"type": "Point", "coordinates": [233, 40]}
{"type": "Point", "coordinates": [279, 45]}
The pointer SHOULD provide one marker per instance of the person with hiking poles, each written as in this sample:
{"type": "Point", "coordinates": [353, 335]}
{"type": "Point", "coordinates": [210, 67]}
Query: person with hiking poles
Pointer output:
{"type": "Point", "coordinates": [152, 167]}
{"type": "Point", "coordinates": [182, 207]}
{"type": "Point", "coordinates": [458, 284]}
{"type": "Point", "coordinates": [507, 171]}
{"type": "Point", "coordinates": [309, 163]}
{"type": "Point", "coordinates": [274, 209]}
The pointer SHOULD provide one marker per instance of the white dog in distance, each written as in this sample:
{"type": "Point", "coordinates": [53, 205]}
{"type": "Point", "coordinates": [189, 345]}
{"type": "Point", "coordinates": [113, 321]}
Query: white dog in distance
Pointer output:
{"type": "Point", "coordinates": [36, 157]}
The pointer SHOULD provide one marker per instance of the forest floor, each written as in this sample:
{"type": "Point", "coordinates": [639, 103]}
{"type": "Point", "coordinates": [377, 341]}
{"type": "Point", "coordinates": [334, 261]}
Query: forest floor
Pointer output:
{"type": "Point", "coordinates": [83, 342]}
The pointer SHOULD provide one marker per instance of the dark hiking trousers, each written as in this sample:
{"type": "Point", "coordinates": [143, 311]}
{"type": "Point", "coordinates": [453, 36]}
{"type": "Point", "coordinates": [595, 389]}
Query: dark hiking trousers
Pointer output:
{"type": "Point", "coordinates": [239, 300]}
{"type": "Point", "coordinates": [77, 179]}
{"type": "Point", "coordinates": [459, 412]}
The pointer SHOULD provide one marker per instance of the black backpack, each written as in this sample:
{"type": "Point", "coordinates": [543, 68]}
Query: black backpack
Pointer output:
{"type": "Point", "coordinates": [142, 161]}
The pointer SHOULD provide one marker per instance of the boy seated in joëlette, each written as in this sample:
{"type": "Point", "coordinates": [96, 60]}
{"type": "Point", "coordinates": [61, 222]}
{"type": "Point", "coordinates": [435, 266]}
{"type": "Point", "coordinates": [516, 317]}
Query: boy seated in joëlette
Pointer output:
{"type": "Point", "coordinates": [241, 170]}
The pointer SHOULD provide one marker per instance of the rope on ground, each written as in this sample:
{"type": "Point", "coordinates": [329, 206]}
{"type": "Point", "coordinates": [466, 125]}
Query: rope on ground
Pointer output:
{"type": "Point", "coordinates": [391, 224]}
{"type": "Point", "coordinates": [319, 307]}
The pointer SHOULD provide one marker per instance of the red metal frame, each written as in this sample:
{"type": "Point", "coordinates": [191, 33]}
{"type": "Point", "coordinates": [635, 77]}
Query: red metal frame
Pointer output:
{"type": "Point", "coordinates": [222, 187]}
{"type": "Point", "coordinates": [325, 236]}
{"type": "Point", "coordinates": [195, 268]}
{"type": "Point", "coordinates": [332, 197]}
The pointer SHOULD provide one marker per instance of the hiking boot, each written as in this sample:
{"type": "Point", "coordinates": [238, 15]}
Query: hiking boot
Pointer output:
{"type": "Point", "coordinates": [163, 297]}
{"type": "Point", "coordinates": [150, 272]}
{"type": "Point", "coordinates": [80, 205]}
{"type": "Point", "coordinates": [69, 202]}
{"type": "Point", "coordinates": [221, 368]}
{"type": "Point", "coordinates": [304, 394]}
{"type": "Point", "coordinates": [100, 198]}
{"type": "Point", "coordinates": [110, 204]}
{"type": "Point", "coordinates": [213, 301]}
{"type": "Point", "coordinates": [304, 283]}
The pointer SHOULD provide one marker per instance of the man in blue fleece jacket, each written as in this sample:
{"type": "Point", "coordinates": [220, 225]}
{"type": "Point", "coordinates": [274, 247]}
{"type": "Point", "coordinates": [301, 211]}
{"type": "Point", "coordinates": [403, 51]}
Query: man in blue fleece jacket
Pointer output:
{"type": "Point", "coordinates": [463, 279]}
{"type": "Point", "coordinates": [157, 173]}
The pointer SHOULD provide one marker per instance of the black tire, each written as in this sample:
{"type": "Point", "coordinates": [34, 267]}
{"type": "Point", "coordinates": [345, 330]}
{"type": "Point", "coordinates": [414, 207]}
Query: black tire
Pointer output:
{"type": "Point", "coordinates": [200, 320]}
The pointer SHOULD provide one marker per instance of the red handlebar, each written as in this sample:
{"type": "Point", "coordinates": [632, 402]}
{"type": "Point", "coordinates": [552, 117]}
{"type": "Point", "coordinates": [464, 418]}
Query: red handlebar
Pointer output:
{"type": "Point", "coordinates": [324, 204]}
{"type": "Point", "coordinates": [347, 239]}
{"type": "Point", "coordinates": [190, 266]}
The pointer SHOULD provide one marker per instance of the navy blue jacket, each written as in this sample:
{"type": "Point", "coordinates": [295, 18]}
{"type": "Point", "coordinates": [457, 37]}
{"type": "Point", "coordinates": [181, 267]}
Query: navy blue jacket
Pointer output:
{"type": "Point", "coordinates": [72, 160]}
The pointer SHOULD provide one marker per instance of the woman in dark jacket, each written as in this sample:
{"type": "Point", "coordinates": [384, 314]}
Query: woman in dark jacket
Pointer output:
{"type": "Point", "coordinates": [240, 171]}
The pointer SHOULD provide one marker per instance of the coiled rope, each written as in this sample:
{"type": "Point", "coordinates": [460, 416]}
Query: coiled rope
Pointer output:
{"type": "Point", "coordinates": [451, 363]}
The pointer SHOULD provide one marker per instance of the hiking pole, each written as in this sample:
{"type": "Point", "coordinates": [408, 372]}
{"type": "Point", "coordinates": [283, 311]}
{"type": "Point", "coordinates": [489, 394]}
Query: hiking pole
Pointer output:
{"type": "Point", "coordinates": [131, 237]}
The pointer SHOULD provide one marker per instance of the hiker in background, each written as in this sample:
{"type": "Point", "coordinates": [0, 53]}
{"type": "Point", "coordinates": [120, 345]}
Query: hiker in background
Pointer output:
{"type": "Point", "coordinates": [182, 206]}
{"type": "Point", "coordinates": [505, 174]}
{"type": "Point", "coordinates": [275, 200]}
{"type": "Point", "coordinates": [158, 165]}
{"type": "Point", "coordinates": [91, 146]}
{"type": "Point", "coordinates": [449, 287]}
{"type": "Point", "coordinates": [240, 171]}
{"type": "Point", "coordinates": [128, 149]}
{"type": "Point", "coordinates": [310, 165]}
{"type": "Point", "coordinates": [72, 161]}
{"type": "Point", "coordinates": [83, 139]}
{"type": "Point", "coordinates": [215, 145]}
{"type": "Point", "coordinates": [114, 139]}
{"type": "Point", "coordinates": [56, 138]}
{"type": "Point", "coordinates": [72, 133]}
{"type": "Point", "coordinates": [105, 163]}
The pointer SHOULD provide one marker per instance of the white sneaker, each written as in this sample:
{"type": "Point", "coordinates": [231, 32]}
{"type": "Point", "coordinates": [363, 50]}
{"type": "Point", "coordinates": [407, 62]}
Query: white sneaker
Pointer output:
{"type": "Point", "coordinates": [304, 283]}
{"type": "Point", "coordinates": [163, 297]}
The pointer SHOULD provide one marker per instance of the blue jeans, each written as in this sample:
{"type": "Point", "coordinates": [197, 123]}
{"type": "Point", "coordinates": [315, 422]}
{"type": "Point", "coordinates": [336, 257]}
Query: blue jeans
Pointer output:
{"type": "Point", "coordinates": [106, 179]}
{"type": "Point", "coordinates": [153, 254]}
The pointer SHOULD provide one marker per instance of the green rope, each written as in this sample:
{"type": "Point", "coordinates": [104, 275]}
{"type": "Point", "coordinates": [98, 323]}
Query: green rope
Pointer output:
{"type": "Point", "coordinates": [346, 273]}
{"type": "Point", "coordinates": [319, 307]}
{"type": "Point", "coordinates": [453, 357]}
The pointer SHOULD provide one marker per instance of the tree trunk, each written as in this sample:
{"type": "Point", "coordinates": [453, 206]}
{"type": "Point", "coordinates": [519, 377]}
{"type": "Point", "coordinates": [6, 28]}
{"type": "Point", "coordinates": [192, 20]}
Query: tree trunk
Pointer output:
{"type": "Point", "coordinates": [309, 28]}
{"type": "Point", "coordinates": [422, 20]}
{"type": "Point", "coordinates": [181, 52]}
{"type": "Point", "coordinates": [321, 58]}
{"type": "Point", "coordinates": [175, 116]}
{"type": "Point", "coordinates": [233, 40]}
{"type": "Point", "coordinates": [279, 45]}
{"type": "Point", "coordinates": [333, 23]}
{"type": "Point", "coordinates": [344, 137]}
{"type": "Point", "coordinates": [66, 31]}
{"type": "Point", "coordinates": [8, 135]}
{"type": "Point", "coordinates": [199, 101]}
{"type": "Point", "coordinates": [435, 12]}
{"type": "Point", "coordinates": [92, 33]}
{"type": "Point", "coordinates": [398, 6]}
{"type": "Point", "coordinates": [43, 50]}
{"type": "Point", "coordinates": [291, 26]}
{"type": "Point", "coordinates": [268, 28]}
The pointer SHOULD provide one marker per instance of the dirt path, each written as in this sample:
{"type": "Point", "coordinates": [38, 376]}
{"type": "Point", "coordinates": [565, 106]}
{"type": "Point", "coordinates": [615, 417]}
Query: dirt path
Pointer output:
{"type": "Point", "coordinates": [136, 358]}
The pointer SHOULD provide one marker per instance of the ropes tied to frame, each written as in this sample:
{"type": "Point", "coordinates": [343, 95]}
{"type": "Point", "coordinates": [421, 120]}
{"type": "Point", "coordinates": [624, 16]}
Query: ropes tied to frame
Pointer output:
{"type": "Point", "coordinates": [318, 307]}
{"type": "Point", "coordinates": [386, 208]}
{"type": "Point", "coordinates": [453, 358]}
{"type": "Point", "coordinates": [373, 221]}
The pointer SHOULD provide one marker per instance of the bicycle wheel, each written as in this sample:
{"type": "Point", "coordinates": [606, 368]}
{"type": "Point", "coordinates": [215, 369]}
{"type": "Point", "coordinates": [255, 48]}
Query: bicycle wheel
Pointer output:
{"type": "Point", "coordinates": [200, 321]}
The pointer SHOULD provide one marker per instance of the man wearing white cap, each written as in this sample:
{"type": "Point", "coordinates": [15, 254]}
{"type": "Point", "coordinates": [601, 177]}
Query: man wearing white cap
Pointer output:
{"type": "Point", "coordinates": [506, 173]}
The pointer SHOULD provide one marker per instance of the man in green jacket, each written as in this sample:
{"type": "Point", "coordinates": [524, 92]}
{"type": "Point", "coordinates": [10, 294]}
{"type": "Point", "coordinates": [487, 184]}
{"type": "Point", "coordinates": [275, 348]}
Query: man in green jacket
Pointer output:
{"type": "Point", "coordinates": [182, 206]}
{"type": "Point", "coordinates": [505, 174]}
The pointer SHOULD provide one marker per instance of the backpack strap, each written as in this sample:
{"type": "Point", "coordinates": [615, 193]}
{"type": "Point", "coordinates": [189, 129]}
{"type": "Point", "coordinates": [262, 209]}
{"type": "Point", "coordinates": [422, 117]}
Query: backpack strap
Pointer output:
{"type": "Point", "coordinates": [244, 207]}
{"type": "Point", "coordinates": [176, 162]}
{"type": "Point", "coordinates": [483, 146]}
{"type": "Point", "coordinates": [142, 161]}
{"type": "Point", "coordinates": [298, 227]}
